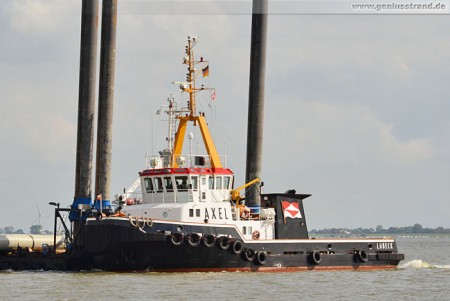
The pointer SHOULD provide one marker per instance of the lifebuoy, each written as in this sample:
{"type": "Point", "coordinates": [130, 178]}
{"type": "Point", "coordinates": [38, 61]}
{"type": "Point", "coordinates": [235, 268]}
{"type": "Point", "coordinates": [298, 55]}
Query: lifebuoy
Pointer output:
{"type": "Point", "coordinates": [255, 235]}
{"type": "Point", "coordinates": [362, 255]}
{"type": "Point", "coordinates": [236, 247]}
{"type": "Point", "coordinates": [193, 239]}
{"type": "Point", "coordinates": [177, 238]}
{"type": "Point", "coordinates": [208, 240]}
{"type": "Point", "coordinates": [261, 257]}
{"type": "Point", "coordinates": [223, 242]}
{"type": "Point", "coordinates": [316, 257]}
{"type": "Point", "coordinates": [249, 254]}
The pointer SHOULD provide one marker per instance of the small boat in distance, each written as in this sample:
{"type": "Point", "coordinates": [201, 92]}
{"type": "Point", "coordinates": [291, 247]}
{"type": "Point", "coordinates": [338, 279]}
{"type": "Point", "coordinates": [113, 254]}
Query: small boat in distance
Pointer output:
{"type": "Point", "coordinates": [191, 218]}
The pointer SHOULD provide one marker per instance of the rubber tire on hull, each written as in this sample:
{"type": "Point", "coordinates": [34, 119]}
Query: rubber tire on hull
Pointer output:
{"type": "Point", "coordinates": [176, 238]}
{"type": "Point", "coordinates": [261, 257]}
{"type": "Point", "coordinates": [208, 240]}
{"type": "Point", "coordinates": [237, 247]}
{"type": "Point", "coordinates": [249, 254]}
{"type": "Point", "coordinates": [223, 242]}
{"type": "Point", "coordinates": [193, 239]}
{"type": "Point", "coordinates": [362, 256]}
{"type": "Point", "coordinates": [316, 257]}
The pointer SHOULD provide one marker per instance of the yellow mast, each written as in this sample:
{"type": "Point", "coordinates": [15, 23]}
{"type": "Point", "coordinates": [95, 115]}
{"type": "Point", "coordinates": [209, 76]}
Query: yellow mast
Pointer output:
{"type": "Point", "coordinates": [190, 88]}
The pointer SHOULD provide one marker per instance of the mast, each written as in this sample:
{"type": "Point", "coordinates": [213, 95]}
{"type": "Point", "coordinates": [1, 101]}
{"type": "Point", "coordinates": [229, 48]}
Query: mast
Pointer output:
{"type": "Point", "coordinates": [172, 123]}
{"type": "Point", "coordinates": [191, 75]}
{"type": "Point", "coordinates": [189, 87]}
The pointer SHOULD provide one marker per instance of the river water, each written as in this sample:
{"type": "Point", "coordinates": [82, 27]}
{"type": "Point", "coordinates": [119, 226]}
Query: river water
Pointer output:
{"type": "Point", "coordinates": [423, 275]}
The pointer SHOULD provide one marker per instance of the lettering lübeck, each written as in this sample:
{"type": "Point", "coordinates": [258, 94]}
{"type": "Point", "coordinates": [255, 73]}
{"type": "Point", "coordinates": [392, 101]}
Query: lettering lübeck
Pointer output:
{"type": "Point", "coordinates": [385, 245]}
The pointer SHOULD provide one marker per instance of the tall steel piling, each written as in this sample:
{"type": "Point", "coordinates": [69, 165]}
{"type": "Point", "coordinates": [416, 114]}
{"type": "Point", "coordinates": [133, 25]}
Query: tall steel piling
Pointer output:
{"type": "Point", "coordinates": [105, 104]}
{"type": "Point", "coordinates": [86, 106]}
{"type": "Point", "coordinates": [256, 99]}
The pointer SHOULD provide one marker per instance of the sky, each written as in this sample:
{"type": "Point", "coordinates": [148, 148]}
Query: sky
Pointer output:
{"type": "Point", "coordinates": [356, 105]}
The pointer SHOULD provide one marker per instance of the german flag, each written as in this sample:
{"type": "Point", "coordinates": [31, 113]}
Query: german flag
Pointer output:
{"type": "Point", "coordinates": [205, 71]}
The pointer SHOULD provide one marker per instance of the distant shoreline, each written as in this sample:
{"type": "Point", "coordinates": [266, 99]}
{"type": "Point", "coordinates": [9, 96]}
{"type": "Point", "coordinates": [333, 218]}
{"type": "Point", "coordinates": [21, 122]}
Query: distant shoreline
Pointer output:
{"type": "Point", "coordinates": [411, 231]}
{"type": "Point", "coordinates": [410, 236]}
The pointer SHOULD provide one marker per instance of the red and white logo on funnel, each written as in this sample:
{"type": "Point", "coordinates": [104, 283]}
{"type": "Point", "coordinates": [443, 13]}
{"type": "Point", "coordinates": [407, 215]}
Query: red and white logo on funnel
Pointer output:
{"type": "Point", "coordinates": [290, 210]}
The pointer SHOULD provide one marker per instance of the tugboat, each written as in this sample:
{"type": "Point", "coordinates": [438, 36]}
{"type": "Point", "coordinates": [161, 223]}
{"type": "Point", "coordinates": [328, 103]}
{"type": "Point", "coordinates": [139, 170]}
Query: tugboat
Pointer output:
{"type": "Point", "coordinates": [190, 218]}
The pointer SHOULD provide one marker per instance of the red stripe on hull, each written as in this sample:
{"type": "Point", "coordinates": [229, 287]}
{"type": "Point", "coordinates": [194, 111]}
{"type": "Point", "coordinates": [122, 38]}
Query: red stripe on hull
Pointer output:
{"type": "Point", "coordinates": [272, 269]}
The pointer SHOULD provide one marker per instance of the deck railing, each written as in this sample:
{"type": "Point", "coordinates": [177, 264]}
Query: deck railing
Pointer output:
{"type": "Point", "coordinates": [183, 161]}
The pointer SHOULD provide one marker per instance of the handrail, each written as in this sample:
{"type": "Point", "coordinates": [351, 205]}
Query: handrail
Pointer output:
{"type": "Point", "coordinates": [183, 161]}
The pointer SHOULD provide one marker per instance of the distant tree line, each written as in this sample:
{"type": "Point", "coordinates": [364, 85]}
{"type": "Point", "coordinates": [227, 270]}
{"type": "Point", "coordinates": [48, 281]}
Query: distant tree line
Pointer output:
{"type": "Point", "coordinates": [416, 229]}
{"type": "Point", "coordinates": [34, 229]}
{"type": "Point", "coordinates": [10, 230]}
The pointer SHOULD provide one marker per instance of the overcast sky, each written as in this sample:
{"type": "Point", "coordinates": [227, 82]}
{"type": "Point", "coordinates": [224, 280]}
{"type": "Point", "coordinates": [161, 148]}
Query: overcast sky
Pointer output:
{"type": "Point", "coordinates": [356, 111]}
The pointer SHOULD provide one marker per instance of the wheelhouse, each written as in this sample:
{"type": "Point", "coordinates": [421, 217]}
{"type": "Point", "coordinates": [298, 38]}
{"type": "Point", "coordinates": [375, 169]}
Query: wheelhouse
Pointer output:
{"type": "Point", "coordinates": [182, 185]}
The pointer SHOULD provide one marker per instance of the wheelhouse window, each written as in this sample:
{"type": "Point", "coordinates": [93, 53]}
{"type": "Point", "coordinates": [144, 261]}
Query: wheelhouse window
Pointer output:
{"type": "Point", "coordinates": [226, 182]}
{"type": "Point", "coordinates": [211, 182]}
{"type": "Point", "coordinates": [218, 182]}
{"type": "Point", "coordinates": [158, 184]}
{"type": "Point", "coordinates": [148, 185]}
{"type": "Point", "coordinates": [168, 184]}
{"type": "Point", "coordinates": [181, 182]}
{"type": "Point", "coordinates": [194, 183]}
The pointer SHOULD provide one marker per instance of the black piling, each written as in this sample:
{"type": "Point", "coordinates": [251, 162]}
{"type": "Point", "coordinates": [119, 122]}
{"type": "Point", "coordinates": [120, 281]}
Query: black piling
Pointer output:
{"type": "Point", "coordinates": [86, 106]}
{"type": "Point", "coordinates": [256, 99]}
{"type": "Point", "coordinates": [105, 105]}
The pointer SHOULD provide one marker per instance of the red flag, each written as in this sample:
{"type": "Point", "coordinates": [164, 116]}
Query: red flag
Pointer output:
{"type": "Point", "coordinates": [290, 210]}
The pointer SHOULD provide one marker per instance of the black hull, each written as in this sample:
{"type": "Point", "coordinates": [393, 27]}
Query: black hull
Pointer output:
{"type": "Point", "coordinates": [115, 245]}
